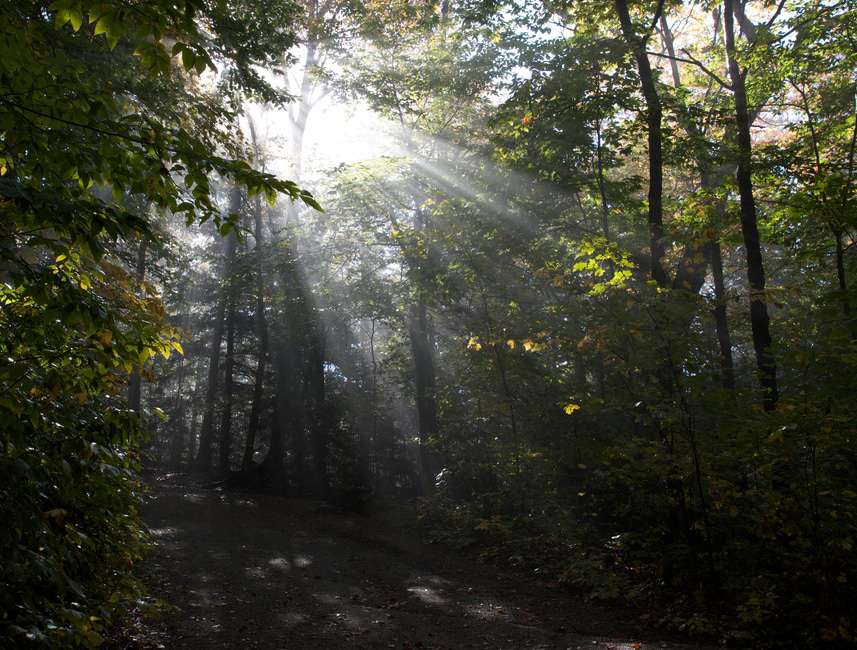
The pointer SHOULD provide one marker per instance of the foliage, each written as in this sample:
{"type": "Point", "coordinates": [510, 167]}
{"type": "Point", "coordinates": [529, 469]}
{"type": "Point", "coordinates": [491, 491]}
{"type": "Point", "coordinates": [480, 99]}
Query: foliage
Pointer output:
{"type": "Point", "coordinates": [589, 427]}
{"type": "Point", "coordinates": [103, 125]}
{"type": "Point", "coordinates": [475, 318]}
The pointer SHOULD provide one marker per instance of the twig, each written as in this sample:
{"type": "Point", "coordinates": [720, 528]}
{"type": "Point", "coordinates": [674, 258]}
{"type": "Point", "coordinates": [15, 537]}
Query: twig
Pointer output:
{"type": "Point", "coordinates": [695, 62]}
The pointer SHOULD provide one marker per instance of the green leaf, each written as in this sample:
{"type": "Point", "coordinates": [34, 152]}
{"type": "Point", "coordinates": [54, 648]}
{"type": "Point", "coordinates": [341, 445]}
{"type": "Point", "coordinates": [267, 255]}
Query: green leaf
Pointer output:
{"type": "Point", "coordinates": [188, 58]}
{"type": "Point", "coordinates": [75, 18]}
{"type": "Point", "coordinates": [308, 198]}
{"type": "Point", "coordinates": [103, 26]}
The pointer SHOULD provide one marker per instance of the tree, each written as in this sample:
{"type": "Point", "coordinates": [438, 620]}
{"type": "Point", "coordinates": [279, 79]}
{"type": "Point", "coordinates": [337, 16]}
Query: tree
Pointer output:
{"type": "Point", "coordinates": [759, 318]}
{"type": "Point", "coordinates": [97, 104]}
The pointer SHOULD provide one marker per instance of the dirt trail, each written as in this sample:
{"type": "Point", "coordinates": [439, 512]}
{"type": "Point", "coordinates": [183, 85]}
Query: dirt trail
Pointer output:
{"type": "Point", "coordinates": [269, 572]}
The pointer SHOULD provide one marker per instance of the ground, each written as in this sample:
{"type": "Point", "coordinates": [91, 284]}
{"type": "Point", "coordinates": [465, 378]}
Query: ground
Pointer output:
{"type": "Point", "coordinates": [242, 571]}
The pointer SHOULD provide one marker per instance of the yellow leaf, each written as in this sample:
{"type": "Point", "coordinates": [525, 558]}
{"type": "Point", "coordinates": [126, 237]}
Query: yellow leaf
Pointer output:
{"type": "Point", "coordinates": [511, 343]}
{"type": "Point", "coordinates": [177, 347]}
{"type": "Point", "coordinates": [571, 408]}
{"type": "Point", "coordinates": [474, 344]}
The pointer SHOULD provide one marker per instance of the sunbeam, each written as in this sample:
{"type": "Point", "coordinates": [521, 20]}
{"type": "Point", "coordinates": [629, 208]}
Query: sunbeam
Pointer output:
{"type": "Point", "coordinates": [428, 325]}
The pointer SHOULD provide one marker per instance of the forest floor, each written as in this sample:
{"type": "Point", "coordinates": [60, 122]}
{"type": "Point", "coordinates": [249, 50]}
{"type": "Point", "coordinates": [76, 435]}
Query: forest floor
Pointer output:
{"type": "Point", "coordinates": [257, 571]}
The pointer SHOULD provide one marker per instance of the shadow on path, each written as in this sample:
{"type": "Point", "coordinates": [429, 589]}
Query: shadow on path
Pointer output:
{"type": "Point", "coordinates": [269, 572]}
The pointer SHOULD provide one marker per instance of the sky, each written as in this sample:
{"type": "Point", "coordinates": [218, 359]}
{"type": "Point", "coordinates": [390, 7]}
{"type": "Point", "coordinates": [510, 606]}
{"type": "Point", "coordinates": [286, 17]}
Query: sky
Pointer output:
{"type": "Point", "coordinates": [337, 133]}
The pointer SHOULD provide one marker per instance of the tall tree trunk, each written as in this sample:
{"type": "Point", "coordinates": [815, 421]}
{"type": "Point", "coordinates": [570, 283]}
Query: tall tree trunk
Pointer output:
{"type": "Point", "coordinates": [228, 384]}
{"type": "Point", "coordinates": [286, 419]}
{"type": "Point", "coordinates": [135, 388]}
{"type": "Point", "coordinates": [312, 343]}
{"type": "Point", "coordinates": [759, 319]}
{"type": "Point", "coordinates": [843, 283]}
{"type": "Point", "coordinates": [194, 409]}
{"type": "Point", "coordinates": [319, 420]}
{"type": "Point", "coordinates": [655, 139]}
{"type": "Point", "coordinates": [299, 116]}
{"type": "Point", "coordinates": [177, 442]}
{"type": "Point", "coordinates": [851, 323]}
{"type": "Point", "coordinates": [262, 338]}
{"type": "Point", "coordinates": [689, 274]}
{"type": "Point", "coordinates": [206, 434]}
{"type": "Point", "coordinates": [602, 189]}
{"type": "Point", "coordinates": [372, 446]}
{"type": "Point", "coordinates": [424, 376]}
{"type": "Point", "coordinates": [721, 324]}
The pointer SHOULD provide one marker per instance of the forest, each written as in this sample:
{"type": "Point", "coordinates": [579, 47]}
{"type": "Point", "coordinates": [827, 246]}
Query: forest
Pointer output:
{"type": "Point", "coordinates": [557, 292]}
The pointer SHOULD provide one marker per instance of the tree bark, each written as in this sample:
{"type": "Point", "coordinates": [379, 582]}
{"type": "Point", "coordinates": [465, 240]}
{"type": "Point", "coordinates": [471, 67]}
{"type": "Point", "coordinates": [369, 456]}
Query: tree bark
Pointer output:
{"type": "Point", "coordinates": [721, 323]}
{"type": "Point", "coordinates": [177, 442]}
{"type": "Point", "coordinates": [843, 284]}
{"type": "Point", "coordinates": [262, 338]}
{"type": "Point", "coordinates": [424, 377]}
{"type": "Point", "coordinates": [228, 384]}
{"type": "Point", "coordinates": [135, 388]}
{"type": "Point", "coordinates": [206, 434]}
{"type": "Point", "coordinates": [319, 419]}
{"type": "Point", "coordinates": [602, 189]}
{"type": "Point", "coordinates": [299, 118]}
{"type": "Point", "coordinates": [655, 141]}
{"type": "Point", "coordinates": [690, 274]}
{"type": "Point", "coordinates": [759, 319]}
{"type": "Point", "coordinates": [287, 420]}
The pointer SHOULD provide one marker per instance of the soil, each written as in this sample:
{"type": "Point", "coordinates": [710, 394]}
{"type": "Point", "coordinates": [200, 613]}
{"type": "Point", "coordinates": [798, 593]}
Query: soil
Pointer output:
{"type": "Point", "coordinates": [259, 571]}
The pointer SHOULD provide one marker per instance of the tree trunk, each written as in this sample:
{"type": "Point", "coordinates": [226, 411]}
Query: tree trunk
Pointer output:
{"type": "Point", "coordinates": [299, 118]}
{"type": "Point", "coordinates": [759, 319]}
{"type": "Point", "coordinates": [287, 405]}
{"type": "Point", "coordinates": [602, 189]}
{"type": "Point", "coordinates": [690, 273]}
{"type": "Point", "coordinates": [206, 434]}
{"type": "Point", "coordinates": [843, 283]}
{"type": "Point", "coordinates": [228, 384]}
{"type": "Point", "coordinates": [177, 442]}
{"type": "Point", "coordinates": [424, 376]}
{"type": "Point", "coordinates": [313, 414]}
{"type": "Point", "coordinates": [721, 323]}
{"type": "Point", "coordinates": [194, 410]}
{"type": "Point", "coordinates": [653, 124]}
{"type": "Point", "coordinates": [135, 388]}
{"type": "Point", "coordinates": [371, 463]}
{"type": "Point", "coordinates": [286, 421]}
{"type": "Point", "coordinates": [262, 337]}
{"type": "Point", "coordinates": [314, 398]}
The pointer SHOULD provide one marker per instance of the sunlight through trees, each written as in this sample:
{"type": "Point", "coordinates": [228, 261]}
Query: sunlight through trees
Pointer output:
{"type": "Point", "coordinates": [573, 280]}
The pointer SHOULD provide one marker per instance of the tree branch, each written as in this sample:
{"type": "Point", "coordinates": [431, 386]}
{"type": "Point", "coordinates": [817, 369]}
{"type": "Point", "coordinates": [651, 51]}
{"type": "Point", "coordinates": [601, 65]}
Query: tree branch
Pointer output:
{"type": "Point", "coordinates": [695, 62]}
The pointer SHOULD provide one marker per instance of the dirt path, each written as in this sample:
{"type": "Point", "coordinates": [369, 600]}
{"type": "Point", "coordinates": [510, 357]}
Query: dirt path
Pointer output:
{"type": "Point", "coordinates": [269, 572]}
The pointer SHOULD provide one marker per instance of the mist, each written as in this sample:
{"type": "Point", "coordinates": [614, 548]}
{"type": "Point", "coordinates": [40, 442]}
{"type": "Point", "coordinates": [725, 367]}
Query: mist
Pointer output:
{"type": "Point", "coordinates": [428, 325]}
